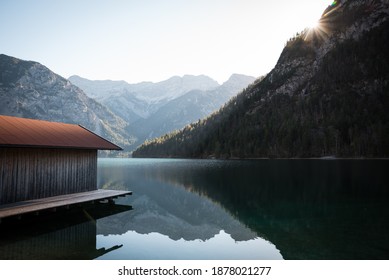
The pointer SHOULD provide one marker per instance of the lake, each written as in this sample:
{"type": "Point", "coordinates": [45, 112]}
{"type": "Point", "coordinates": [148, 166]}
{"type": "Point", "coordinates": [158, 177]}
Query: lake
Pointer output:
{"type": "Point", "coordinates": [214, 209]}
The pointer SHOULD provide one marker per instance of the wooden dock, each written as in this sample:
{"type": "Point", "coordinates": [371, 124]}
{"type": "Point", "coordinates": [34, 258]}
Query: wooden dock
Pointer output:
{"type": "Point", "coordinates": [54, 202]}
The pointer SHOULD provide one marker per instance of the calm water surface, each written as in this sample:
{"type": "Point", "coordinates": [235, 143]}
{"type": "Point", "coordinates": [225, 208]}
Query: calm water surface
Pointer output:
{"type": "Point", "coordinates": [210, 209]}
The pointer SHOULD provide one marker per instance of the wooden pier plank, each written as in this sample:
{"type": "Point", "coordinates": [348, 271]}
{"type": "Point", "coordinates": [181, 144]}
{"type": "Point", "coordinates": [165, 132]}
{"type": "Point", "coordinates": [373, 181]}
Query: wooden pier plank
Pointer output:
{"type": "Point", "coordinates": [24, 207]}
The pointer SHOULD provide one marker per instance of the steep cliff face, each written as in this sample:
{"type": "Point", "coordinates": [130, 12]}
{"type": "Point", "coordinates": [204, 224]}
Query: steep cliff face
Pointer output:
{"type": "Point", "coordinates": [29, 89]}
{"type": "Point", "coordinates": [327, 96]}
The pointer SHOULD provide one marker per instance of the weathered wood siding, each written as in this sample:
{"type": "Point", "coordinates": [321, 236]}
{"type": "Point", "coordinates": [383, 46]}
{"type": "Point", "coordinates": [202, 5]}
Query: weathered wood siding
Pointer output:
{"type": "Point", "coordinates": [29, 173]}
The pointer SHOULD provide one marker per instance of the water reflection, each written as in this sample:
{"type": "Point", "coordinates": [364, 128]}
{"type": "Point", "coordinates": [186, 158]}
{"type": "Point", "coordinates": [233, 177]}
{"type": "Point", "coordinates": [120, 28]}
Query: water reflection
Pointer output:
{"type": "Point", "coordinates": [209, 209]}
{"type": "Point", "coordinates": [159, 246]}
{"type": "Point", "coordinates": [309, 209]}
{"type": "Point", "coordinates": [65, 235]}
{"type": "Point", "coordinates": [170, 222]}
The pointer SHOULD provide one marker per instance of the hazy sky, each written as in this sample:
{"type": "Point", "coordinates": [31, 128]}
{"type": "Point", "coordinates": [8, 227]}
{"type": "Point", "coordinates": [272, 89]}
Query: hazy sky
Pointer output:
{"type": "Point", "coordinates": [152, 40]}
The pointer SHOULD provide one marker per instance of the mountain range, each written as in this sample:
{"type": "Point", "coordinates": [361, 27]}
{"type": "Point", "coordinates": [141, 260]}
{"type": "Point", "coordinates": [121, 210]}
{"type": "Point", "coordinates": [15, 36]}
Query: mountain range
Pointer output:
{"type": "Point", "coordinates": [191, 106]}
{"type": "Point", "coordinates": [141, 100]}
{"type": "Point", "coordinates": [126, 114]}
{"type": "Point", "coordinates": [327, 96]}
{"type": "Point", "coordinates": [153, 109]}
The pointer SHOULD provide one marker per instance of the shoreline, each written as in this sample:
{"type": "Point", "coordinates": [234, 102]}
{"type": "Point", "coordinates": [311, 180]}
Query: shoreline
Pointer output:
{"type": "Point", "coordinates": [259, 158]}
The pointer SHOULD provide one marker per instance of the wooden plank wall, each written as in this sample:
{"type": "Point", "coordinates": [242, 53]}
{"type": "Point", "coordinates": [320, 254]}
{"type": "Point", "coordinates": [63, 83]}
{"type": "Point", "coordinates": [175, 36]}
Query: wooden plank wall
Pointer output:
{"type": "Point", "coordinates": [29, 173]}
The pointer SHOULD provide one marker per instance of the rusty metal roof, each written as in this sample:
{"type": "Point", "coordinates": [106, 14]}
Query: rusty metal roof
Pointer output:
{"type": "Point", "coordinates": [21, 132]}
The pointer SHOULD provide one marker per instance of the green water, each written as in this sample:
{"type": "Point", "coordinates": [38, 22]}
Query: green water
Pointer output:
{"type": "Point", "coordinates": [210, 209]}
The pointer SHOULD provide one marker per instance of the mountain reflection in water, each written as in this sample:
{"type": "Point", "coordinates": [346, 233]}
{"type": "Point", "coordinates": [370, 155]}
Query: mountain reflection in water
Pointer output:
{"type": "Point", "coordinates": [309, 209]}
{"type": "Point", "coordinates": [211, 209]}
{"type": "Point", "coordinates": [171, 222]}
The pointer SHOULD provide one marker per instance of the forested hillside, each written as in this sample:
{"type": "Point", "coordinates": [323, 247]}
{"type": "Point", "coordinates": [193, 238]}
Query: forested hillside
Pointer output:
{"type": "Point", "coordinates": [328, 95]}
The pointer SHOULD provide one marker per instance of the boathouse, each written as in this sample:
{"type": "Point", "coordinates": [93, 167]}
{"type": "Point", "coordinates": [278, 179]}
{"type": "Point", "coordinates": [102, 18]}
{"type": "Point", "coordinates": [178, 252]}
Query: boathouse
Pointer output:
{"type": "Point", "coordinates": [42, 159]}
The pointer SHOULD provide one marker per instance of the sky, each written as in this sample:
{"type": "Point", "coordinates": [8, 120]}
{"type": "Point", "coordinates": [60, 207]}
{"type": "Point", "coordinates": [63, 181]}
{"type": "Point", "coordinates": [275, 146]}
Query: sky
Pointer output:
{"type": "Point", "coordinates": [153, 40]}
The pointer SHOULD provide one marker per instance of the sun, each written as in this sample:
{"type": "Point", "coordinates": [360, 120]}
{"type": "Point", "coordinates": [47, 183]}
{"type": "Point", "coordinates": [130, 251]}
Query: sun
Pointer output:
{"type": "Point", "coordinates": [313, 23]}
{"type": "Point", "coordinates": [310, 16]}
{"type": "Point", "coordinates": [317, 31]}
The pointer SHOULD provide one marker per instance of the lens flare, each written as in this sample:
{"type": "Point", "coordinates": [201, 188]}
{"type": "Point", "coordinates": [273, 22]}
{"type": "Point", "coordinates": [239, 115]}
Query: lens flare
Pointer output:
{"type": "Point", "coordinates": [320, 29]}
{"type": "Point", "coordinates": [313, 24]}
